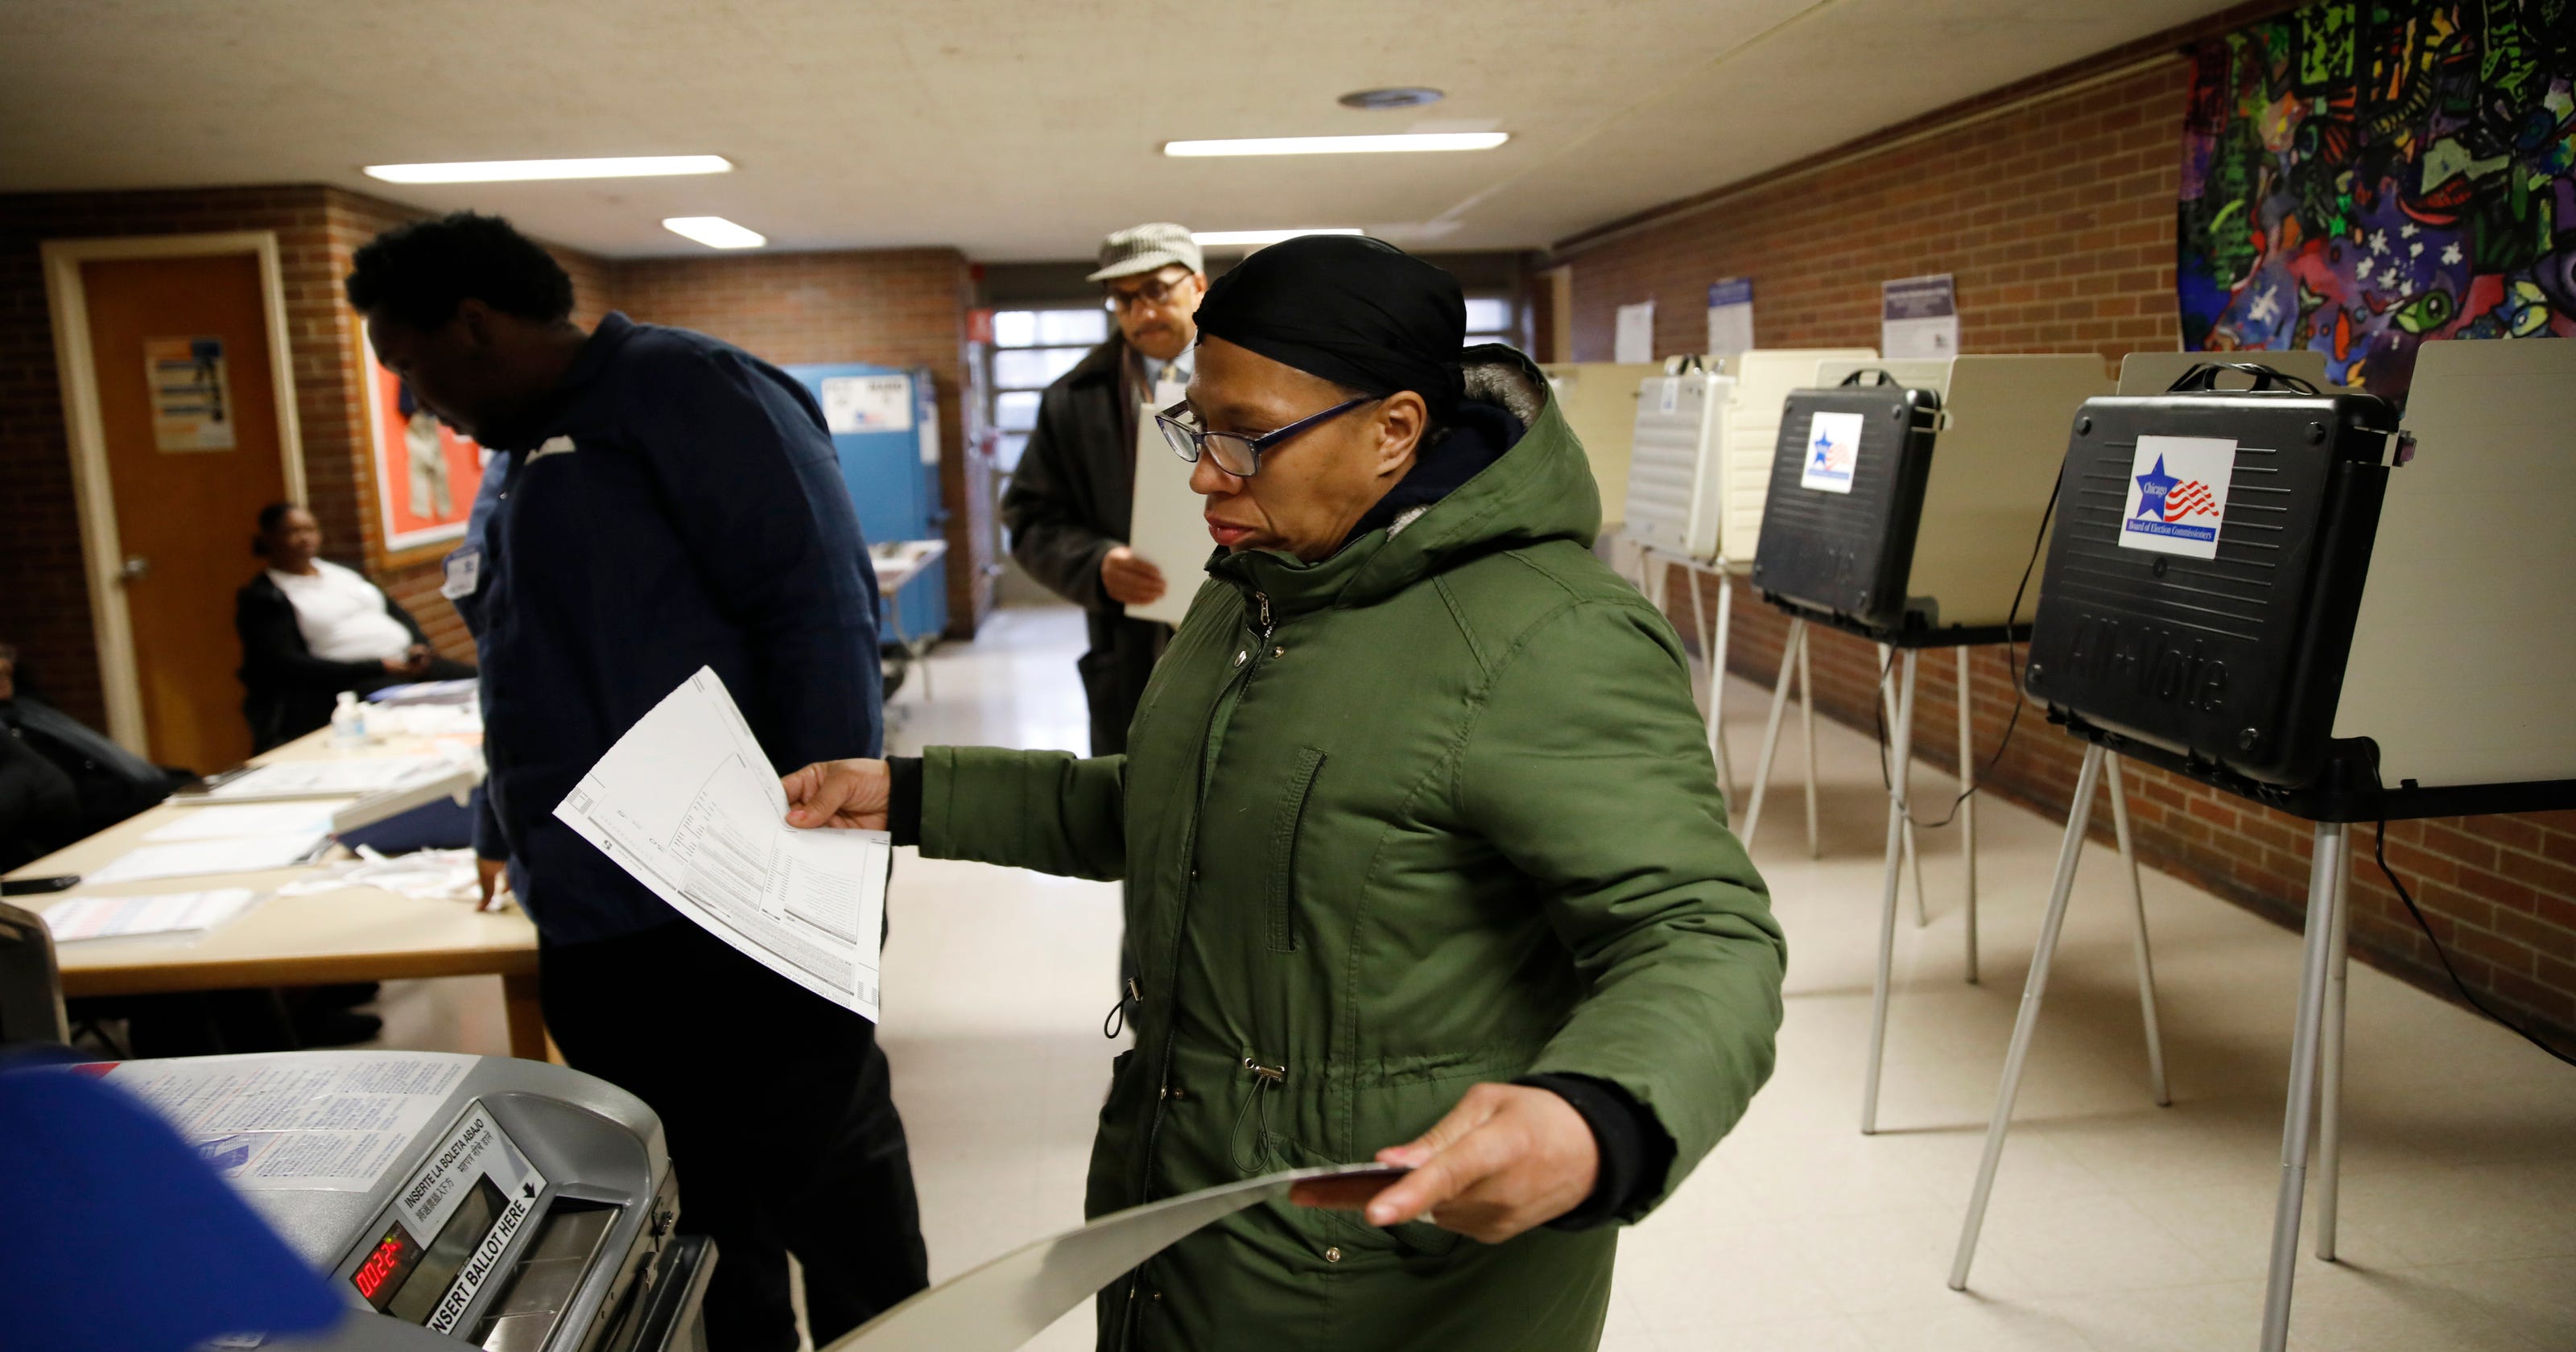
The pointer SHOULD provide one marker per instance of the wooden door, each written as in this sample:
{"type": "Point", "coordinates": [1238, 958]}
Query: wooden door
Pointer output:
{"type": "Point", "coordinates": [185, 514]}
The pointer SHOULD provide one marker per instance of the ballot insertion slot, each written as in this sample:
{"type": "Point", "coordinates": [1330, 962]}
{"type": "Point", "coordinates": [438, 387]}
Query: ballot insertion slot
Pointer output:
{"type": "Point", "coordinates": [541, 1288]}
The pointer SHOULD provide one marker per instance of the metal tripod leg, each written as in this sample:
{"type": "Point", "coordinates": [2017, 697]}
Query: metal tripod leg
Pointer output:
{"type": "Point", "coordinates": [1913, 859]}
{"type": "Point", "coordinates": [1968, 806]}
{"type": "Point", "coordinates": [1717, 684]}
{"type": "Point", "coordinates": [2299, 1117]}
{"type": "Point", "coordinates": [2138, 933]}
{"type": "Point", "coordinates": [1896, 822]}
{"type": "Point", "coordinates": [2330, 1067]}
{"type": "Point", "coordinates": [1807, 721]}
{"type": "Point", "coordinates": [1712, 648]}
{"type": "Point", "coordinates": [2070, 852]}
{"type": "Point", "coordinates": [1792, 649]}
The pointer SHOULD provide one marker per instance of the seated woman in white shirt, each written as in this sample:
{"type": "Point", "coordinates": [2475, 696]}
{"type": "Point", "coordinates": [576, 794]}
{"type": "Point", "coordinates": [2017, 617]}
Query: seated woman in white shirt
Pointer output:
{"type": "Point", "coordinates": [311, 629]}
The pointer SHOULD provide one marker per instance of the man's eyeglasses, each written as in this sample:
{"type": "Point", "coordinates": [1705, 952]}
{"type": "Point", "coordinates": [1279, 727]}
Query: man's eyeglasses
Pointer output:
{"type": "Point", "coordinates": [1236, 453]}
{"type": "Point", "coordinates": [1155, 291]}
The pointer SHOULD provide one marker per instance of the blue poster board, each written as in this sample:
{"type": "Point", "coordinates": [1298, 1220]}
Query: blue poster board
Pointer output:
{"type": "Point", "coordinates": [885, 426]}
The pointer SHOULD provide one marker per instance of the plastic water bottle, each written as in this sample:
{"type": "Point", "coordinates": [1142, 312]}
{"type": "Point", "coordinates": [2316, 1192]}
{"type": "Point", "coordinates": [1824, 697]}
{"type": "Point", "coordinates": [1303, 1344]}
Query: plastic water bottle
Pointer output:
{"type": "Point", "coordinates": [349, 721]}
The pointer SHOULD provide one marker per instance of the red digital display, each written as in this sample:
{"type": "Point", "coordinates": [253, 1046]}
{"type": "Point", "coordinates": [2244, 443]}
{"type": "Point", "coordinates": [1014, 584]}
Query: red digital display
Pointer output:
{"type": "Point", "coordinates": [381, 1276]}
{"type": "Point", "coordinates": [371, 1276]}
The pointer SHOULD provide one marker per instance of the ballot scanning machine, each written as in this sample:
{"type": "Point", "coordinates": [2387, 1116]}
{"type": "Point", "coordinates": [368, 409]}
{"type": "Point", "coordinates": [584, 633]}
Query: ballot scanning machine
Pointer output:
{"type": "Point", "coordinates": [509, 1205]}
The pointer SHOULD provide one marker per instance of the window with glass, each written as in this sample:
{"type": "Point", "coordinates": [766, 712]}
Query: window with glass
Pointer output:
{"type": "Point", "coordinates": [1492, 319]}
{"type": "Point", "coordinates": [1031, 349]}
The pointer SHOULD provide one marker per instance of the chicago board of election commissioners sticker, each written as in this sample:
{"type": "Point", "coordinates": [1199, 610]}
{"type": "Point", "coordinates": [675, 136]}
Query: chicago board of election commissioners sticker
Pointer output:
{"type": "Point", "coordinates": [1833, 452]}
{"type": "Point", "coordinates": [2177, 496]}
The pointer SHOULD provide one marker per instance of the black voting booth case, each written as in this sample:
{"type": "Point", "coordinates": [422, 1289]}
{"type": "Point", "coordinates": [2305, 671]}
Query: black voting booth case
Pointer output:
{"type": "Point", "coordinates": [2205, 570]}
{"type": "Point", "coordinates": [1845, 549]}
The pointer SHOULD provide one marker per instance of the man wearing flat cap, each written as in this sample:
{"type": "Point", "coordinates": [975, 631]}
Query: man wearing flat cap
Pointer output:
{"type": "Point", "coordinates": [1070, 500]}
{"type": "Point", "coordinates": [1424, 855]}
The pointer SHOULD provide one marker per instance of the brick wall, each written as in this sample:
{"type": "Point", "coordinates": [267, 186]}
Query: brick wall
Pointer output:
{"type": "Point", "coordinates": [2055, 213]}
{"type": "Point", "coordinates": [900, 307]}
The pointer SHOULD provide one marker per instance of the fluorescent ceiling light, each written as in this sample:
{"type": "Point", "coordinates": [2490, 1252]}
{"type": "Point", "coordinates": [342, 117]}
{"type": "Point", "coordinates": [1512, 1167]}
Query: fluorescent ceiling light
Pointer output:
{"type": "Point", "coordinates": [519, 171]}
{"type": "Point", "coordinates": [715, 232]}
{"type": "Point", "coordinates": [1220, 238]}
{"type": "Point", "coordinates": [1341, 145]}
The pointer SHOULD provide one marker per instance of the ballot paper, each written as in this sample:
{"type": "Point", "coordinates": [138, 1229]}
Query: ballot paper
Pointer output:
{"type": "Point", "coordinates": [235, 820]}
{"type": "Point", "coordinates": [194, 858]}
{"type": "Point", "coordinates": [1013, 1298]}
{"type": "Point", "coordinates": [333, 1120]}
{"type": "Point", "coordinates": [166, 913]}
{"type": "Point", "coordinates": [1167, 522]}
{"type": "Point", "coordinates": [687, 802]}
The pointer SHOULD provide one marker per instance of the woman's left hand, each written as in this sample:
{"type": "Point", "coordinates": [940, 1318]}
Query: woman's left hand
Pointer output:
{"type": "Point", "coordinates": [1508, 1158]}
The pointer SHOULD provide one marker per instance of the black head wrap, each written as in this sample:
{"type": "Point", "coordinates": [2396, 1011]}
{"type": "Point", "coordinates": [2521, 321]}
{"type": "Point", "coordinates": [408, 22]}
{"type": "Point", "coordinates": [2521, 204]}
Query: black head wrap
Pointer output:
{"type": "Point", "coordinates": [1358, 312]}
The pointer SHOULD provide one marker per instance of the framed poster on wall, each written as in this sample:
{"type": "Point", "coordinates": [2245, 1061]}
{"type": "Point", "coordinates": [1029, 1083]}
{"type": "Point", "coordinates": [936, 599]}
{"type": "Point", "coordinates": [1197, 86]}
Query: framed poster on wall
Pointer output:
{"type": "Point", "coordinates": [426, 472]}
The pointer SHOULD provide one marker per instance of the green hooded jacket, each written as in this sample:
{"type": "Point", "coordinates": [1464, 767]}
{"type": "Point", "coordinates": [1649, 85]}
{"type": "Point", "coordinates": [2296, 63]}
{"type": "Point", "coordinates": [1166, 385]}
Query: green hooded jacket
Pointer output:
{"type": "Point", "coordinates": [1433, 811]}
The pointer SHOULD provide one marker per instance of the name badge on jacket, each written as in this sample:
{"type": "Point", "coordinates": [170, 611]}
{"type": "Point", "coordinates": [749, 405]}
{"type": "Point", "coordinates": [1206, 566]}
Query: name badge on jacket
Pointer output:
{"type": "Point", "coordinates": [464, 573]}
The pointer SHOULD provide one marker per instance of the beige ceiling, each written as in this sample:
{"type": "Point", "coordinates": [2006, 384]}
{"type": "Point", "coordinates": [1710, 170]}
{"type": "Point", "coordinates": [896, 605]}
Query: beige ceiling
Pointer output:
{"type": "Point", "coordinates": [1012, 131]}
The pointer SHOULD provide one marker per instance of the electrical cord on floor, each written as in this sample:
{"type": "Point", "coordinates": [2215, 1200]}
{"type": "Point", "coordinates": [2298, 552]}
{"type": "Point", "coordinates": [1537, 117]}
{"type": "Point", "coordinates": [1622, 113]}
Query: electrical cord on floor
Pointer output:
{"type": "Point", "coordinates": [1878, 705]}
{"type": "Point", "coordinates": [2379, 852]}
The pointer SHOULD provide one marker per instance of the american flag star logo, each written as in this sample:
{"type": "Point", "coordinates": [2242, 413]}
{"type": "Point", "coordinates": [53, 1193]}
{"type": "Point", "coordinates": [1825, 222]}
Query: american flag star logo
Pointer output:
{"type": "Point", "coordinates": [2191, 497]}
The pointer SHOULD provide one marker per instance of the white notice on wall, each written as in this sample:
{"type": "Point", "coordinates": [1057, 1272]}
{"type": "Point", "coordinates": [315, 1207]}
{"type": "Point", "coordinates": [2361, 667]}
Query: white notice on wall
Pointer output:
{"type": "Point", "coordinates": [1635, 341]}
{"type": "Point", "coordinates": [328, 1120]}
{"type": "Point", "coordinates": [1918, 317]}
{"type": "Point", "coordinates": [687, 802]}
{"type": "Point", "coordinates": [1730, 317]}
{"type": "Point", "coordinates": [867, 403]}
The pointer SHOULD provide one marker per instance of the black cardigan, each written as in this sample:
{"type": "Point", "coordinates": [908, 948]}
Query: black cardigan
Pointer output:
{"type": "Point", "coordinates": [290, 691]}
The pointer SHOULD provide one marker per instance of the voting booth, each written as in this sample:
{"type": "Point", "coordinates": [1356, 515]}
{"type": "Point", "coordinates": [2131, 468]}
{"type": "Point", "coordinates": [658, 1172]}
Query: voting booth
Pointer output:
{"type": "Point", "coordinates": [1904, 500]}
{"type": "Point", "coordinates": [450, 1199]}
{"type": "Point", "coordinates": [2299, 597]}
{"type": "Point", "coordinates": [1699, 466]}
{"type": "Point", "coordinates": [1598, 400]}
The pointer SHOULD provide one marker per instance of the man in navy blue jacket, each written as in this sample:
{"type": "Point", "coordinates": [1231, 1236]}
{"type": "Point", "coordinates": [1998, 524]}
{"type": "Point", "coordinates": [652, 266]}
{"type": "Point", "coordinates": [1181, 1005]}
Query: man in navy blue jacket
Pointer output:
{"type": "Point", "coordinates": [667, 502]}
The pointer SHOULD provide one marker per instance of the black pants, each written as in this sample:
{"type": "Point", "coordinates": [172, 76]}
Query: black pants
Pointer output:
{"type": "Point", "coordinates": [1114, 672]}
{"type": "Point", "coordinates": [781, 1124]}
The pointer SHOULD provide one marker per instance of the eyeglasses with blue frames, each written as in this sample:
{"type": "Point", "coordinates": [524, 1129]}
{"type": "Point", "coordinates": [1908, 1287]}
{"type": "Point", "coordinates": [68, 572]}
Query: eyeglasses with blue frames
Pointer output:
{"type": "Point", "coordinates": [1236, 453]}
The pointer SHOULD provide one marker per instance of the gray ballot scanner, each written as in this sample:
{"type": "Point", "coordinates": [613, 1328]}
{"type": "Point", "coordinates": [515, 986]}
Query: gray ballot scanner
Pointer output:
{"type": "Point", "coordinates": [509, 1205]}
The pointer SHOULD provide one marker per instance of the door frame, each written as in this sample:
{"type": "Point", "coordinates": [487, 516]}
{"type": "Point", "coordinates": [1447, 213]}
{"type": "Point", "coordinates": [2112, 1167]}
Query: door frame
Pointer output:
{"type": "Point", "coordinates": [111, 623]}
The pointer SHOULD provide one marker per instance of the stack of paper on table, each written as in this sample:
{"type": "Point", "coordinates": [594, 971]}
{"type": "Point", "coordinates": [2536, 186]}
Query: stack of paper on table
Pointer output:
{"type": "Point", "coordinates": [233, 821]}
{"type": "Point", "coordinates": [329, 778]}
{"type": "Point", "coordinates": [191, 858]}
{"type": "Point", "coordinates": [121, 917]}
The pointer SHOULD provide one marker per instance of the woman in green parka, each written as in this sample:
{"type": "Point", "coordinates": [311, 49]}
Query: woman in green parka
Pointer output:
{"type": "Point", "coordinates": [1423, 852]}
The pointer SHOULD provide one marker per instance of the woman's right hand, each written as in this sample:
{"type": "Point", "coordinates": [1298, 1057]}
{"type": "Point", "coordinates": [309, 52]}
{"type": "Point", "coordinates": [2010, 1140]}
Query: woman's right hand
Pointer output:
{"type": "Point", "coordinates": [849, 794]}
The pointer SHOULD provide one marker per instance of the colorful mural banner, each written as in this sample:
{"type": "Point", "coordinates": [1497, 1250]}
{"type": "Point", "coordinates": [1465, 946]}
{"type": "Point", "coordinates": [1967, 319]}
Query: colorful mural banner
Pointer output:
{"type": "Point", "coordinates": [2360, 178]}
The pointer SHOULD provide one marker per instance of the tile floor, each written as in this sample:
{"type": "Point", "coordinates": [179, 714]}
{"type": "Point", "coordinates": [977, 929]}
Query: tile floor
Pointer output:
{"type": "Point", "coordinates": [2115, 1224]}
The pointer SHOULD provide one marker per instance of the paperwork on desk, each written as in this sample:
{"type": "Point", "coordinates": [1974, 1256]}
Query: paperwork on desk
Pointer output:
{"type": "Point", "coordinates": [339, 778]}
{"type": "Point", "coordinates": [333, 1120]}
{"type": "Point", "coordinates": [169, 913]}
{"type": "Point", "coordinates": [1012, 1299]}
{"type": "Point", "coordinates": [193, 858]}
{"type": "Point", "coordinates": [233, 820]}
{"type": "Point", "coordinates": [687, 803]}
